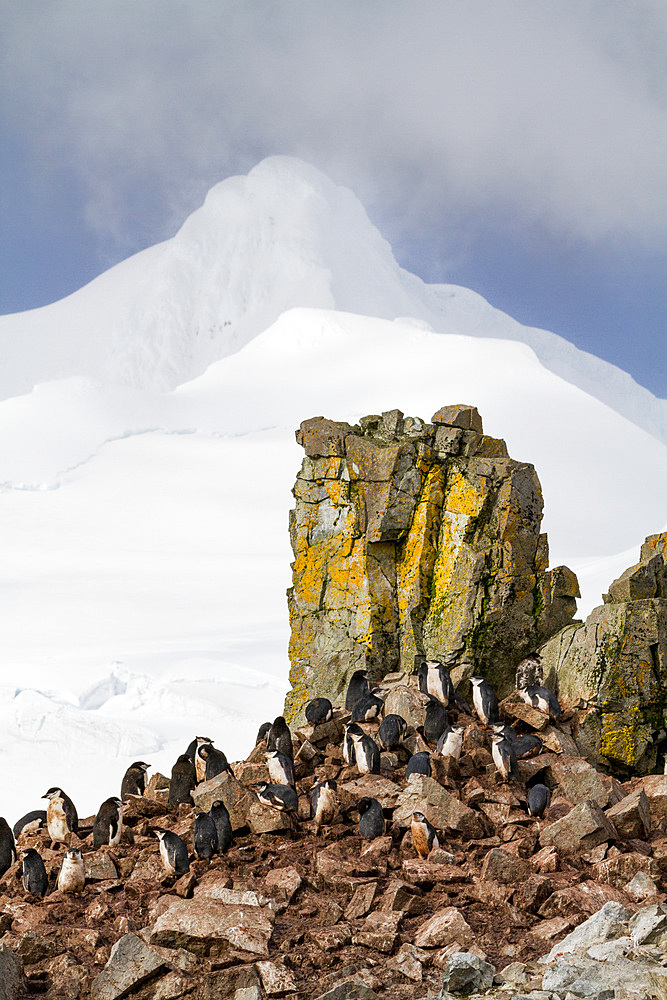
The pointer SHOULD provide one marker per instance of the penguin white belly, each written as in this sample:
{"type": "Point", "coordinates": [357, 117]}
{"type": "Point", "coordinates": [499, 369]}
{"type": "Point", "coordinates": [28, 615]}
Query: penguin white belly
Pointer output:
{"type": "Point", "coordinates": [500, 760]}
{"type": "Point", "coordinates": [452, 746]}
{"type": "Point", "coordinates": [71, 877]}
{"type": "Point", "coordinates": [166, 860]}
{"type": "Point", "coordinates": [326, 805]}
{"type": "Point", "coordinates": [115, 840]}
{"type": "Point", "coordinates": [434, 685]}
{"type": "Point", "coordinates": [56, 822]}
{"type": "Point", "coordinates": [364, 762]}
{"type": "Point", "coordinates": [277, 772]}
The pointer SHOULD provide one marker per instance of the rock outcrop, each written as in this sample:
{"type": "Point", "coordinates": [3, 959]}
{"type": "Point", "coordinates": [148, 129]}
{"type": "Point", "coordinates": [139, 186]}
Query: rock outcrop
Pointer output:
{"type": "Point", "coordinates": [613, 668]}
{"type": "Point", "coordinates": [416, 540]}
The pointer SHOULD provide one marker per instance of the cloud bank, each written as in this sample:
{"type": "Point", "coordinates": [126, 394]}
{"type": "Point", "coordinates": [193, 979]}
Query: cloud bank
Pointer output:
{"type": "Point", "coordinates": [549, 114]}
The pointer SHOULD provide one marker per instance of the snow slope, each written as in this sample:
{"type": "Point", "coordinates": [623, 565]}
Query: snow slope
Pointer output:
{"type": "Point", "coordinates": [144, 534]}
{"type": "Point", "coordinates": [147, 455]}
{"type": "Point", "coordinates": [283, 236]}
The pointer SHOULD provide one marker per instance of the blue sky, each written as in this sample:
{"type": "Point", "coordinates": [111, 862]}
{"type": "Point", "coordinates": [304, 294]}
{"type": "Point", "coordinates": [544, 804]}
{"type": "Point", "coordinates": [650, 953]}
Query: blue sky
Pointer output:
{"type": "Point", "coordinates": [517, 147]}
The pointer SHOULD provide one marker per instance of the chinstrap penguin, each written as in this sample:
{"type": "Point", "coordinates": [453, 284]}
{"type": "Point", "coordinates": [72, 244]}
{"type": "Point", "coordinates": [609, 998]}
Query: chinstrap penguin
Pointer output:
{"type": "Point", "coordinates": [7, 846]}
{"type": "Point", "coordinates": [352, 730]}
{"type": "Point", "coordinates": [504, 757]}
{"type": "Point", "coordinates": [223, 826]}
{"type": "Point", "coordinates": [371, 818]}
{"type": "Point", "coordinates": [173, 851]}
{"type": "Point", "coordinates": [433, 677]}
{"type": "Point", "coordinates": [30, 823]}
{"type": "Point", "coordinates": [318, 710]}
{"type": "Point", "coordinates": [134, 780]}
{"type": "Point", "coordinates": [35, 879]}
{"type": "Point", "coordinates": [419, 763]}
{"type": "Point", "coordinates": [539, 797]}
{"type": "Point", "coordinates": [543, 700]}
{"type": "Point", "coordinates": [204, 836]}
{"type": "Point", "coordinates": [280, 737]}
{"type": "Point", "coordinates": [215, 761]}
{"type": "Point", "coordinates": [61, 816]}
{"type": "Point", "coordinates": [263, 732]}
{"type": "Point", "coordinates": [281, 768]}
{"type": "Point", "coordinates": [183, 781]}
{"type": "Point", "coordinates": [71, 877]}
{"type": "Point", "coordinates": [392, 730]}
{"type": "Point", "coordinates": [424, 836]}
{"type": "Point", "coordinates": [367, 708]}
{"type": "Point", "coordinates": [281, 797]}
{"type": "Point", "coordinates": [436, 720]}
{"type": "Point", "coordinates": [108, 825]}
{"type": "Point", "coordinates": [198, 759]}
{"type": "Point", "coordinates": [450, 743]}
{"type": "Point", "coordinates": [366, 754]}
{"type": "Point", "coordinates": [484, 700]}
{"type": "Point", "coordinates": [356, 688]}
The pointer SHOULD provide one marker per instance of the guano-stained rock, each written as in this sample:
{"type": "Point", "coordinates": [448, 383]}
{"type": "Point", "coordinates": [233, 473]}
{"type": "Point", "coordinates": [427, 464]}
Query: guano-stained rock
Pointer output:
{"type": "Point", "coordinates": [211, 928]}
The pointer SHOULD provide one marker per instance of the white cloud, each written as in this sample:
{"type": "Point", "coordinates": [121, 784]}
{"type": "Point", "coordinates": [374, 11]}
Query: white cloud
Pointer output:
{"type": "Point", "coordinates": [552, 113]}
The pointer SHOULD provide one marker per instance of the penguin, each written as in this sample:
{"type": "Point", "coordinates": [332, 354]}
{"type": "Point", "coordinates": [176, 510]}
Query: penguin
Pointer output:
{"type": "Point", "coordinates": [223, 826]}
{"type": "Point", "coordinates": [539, 797]}
{"type": "Point", "coordinates": [357, 687]}
{"type": "Point", "coordinates": [319, 710]}
{"type": "Point", "coordinates": [134, 780]}
{"type": "Point", "coordinates": [424, 836]}
{"type": "Point", "coordinates": [366, 708]}
{"type": "Point", "coordinates": [484, 700]}
{"type": "Point", "coordinates": [200, 761]}
{"type": "Point", "coordinates": [35, 879]}
{"type": "Point", "coordinates": [108, 825]}
{"type": "Point", "coordinates": [262, 732]}
{"type": "Point", "coordinates": [205, 836]}
{"type": "Point", "coordinates": [71, 877]}
{"type": "Point", "coordinates": [529, 671]}
{"type": "Point", "coordinates": [323, 802]}
{"type": "Point", "coordinates": [30, 823]}
{"type": "Point", "coordinates": [436, 720]}
{"type": "Point", "coordinates": [173, 851]}
{"type": "Point", "coordinates": [351, 730]}
{"type": "Point", "coordinates": [183, 780]}
{"type": "Point", "coordinates": [7, 846]}
{"type": "Point", "coordinates": [281, 797]}
{"type": "Point", "coordinates": [434, 679]}
{"type": "Point", "coordinates": [281, 768]}
{"type": "Point", "coordinates": [419, 763]}
{"type": "Point", "coordinates": [528, 745]}
{"type": "Point", "coordinates": [280, 737]}
{"type": "Point", "coordinates": [392, 730]}
{"type": "Point", "coordinates": [215, 761]}
{"type": "Point", "coordinates": [450, 743]}
{"type": "Point", "coordinates": [61, 816]}
{"type": "Point", "coordinates": [366, 754]}
{"type": "Point", "coordinates": [504, 757]}
{"type": "Point", "coordinates": [543, 700]}
{"type": "Point", "coordinates": [371, 818]}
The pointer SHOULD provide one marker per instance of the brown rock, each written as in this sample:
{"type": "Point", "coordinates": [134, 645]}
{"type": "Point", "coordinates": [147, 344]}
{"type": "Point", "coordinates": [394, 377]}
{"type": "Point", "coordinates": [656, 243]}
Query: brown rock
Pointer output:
{"type": "Point", "coordinates": [501, 866]}
{"type": "Point", "coordinates": [265, 819]}
{"type": "Point", "coordinates": [578, 781]}
{"type": "Point", "coordinates": [402, 897]}
{"type": "Point", "coordinates": [276, 978]}
{"type": "Point", "coordinates": [546, 860]}
{"type": "Point", "coordinates": [378, 931]}
{"type": "Point", "coordinates": [515, 706]}
{"type": "Point", "coordinates": [586, 898]}
{"type": "Point", "coordinates": [444, 927]}
{"type": "Point", "coordinates": [283, 883]}
{"type": "Point", "coordinates": [373, 785]}
{"type": "Point", "coordinates": [655, 787]}
{"type": "Point", "coordinates": [584, 827]}
{"type": "Point", "coordinates": [532, 892]}
{"type": "Point", "coordinates": [408, 961]}
{"type": "Point", "coordinates": [619, 870]}
{"type": "Point", "coordinates": [211, 928]}
{"type": "Point", "coordinates": [424, 872]}
{"type": "Point", "coordinates": [227, 789]}
{"type": "Point", "coordinates": [330, 938]}
{"type": "Point", "coordinates": [631, 816]}
{"type": "Point", "coordinates": [440, 807]}
{"type": "Point", "coordinates": [548, 930]}
{"type": "Point", "coordinates": [361, 901]}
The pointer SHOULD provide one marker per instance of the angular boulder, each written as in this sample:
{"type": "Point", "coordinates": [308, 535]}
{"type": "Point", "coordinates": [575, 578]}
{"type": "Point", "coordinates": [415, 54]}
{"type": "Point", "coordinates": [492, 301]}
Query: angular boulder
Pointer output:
{"type": "Point", "coordinates": [206, 927]}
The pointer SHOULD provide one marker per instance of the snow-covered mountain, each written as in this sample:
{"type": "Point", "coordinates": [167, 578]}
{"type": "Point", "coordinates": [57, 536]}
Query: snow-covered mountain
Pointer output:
{"type": "Point", "coordinates": [284, 236]}
{"type": "Point", "coordinates": [147, 455]}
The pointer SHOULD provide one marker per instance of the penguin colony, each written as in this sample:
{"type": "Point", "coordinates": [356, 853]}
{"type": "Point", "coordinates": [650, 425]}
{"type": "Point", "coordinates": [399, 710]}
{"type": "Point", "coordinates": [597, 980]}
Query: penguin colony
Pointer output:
{"type": "Point", "coordinates": [202, 761]}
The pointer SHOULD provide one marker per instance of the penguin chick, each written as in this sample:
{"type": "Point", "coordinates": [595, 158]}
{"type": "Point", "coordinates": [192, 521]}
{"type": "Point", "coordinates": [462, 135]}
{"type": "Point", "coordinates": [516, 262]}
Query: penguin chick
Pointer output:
{"type": "Point", "coordinates": [371, 818]}
{"type": "Point", "coordinates": [424, 836]}
{"type": "Point", "coordinates": [200, 761]}
{"type": "Point", "coordinates": [61, 816]}
{"type": "Point", "coordinates": [367, 708]}
{"type": "Point", "coordinates": [223, 826]}
{"type": "Point", "coordinates": [419, 763]}
{"type": "Point", "coordinates": [281, 797]}
{"type": "Point", "coordinates": [436, 720]}
{"type": "Point", "coordinates": [183, 780]}
{"type": "Point", "coordinates": [134, 780]}
{"type": "Point", "coordinates": [539, 797]}
{"type": "Point", "coordinates": [450, 743]}
{"type": "Point", "coordinates": [108, 825]}
{"type": "Point", "coordinates": [30, 823]}
{"type": "Point", "coordinates": [323, 802]}
{"type": "Point", "coordinates": [280, 737]}
{"type": "Point", "coordinates": [484, 700]}
{"type": "Point", "coordinates": [173, 851]}
{"type": "Point", "coordinates": [366, 754]}
{"type": "Point", "coordinates": [205, 836]}
{"type": "Point", "coordinates": [351, 731]}
{"type": "Point", "coordinates": [262, 732]}
{"type": "Point", "coordinates": [71, 877]}
{"type": "Point", "coordinates": [215, 761]}
{"type": "Point", "coordinates": [434, 679]}
{"type": "Point", "coordinates": [35, 879]}
{"type": "Point", "coordinates": [504, 757]}
{"type": "Point", "coordinates": [319, 710]}
{"type": "Point", "coordinates": [281, 768]}
{"type": "Point", "coordinates": [392, 730]}
{"type": "Point", "coordinates": [356, 688]}
{"type": "Point", "coordinates": [7, 846]}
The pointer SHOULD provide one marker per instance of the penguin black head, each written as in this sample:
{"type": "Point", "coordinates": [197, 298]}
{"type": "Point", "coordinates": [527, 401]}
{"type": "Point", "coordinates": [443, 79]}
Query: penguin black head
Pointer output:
{"type": "Point", "coordinates": [364, 804]}
{"type": "Point", "coordinates": [263, 732]}
{"type": "Point", "coordinates": [140, 765]}
{"type": "Point", "coordinates": [53, 792]}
